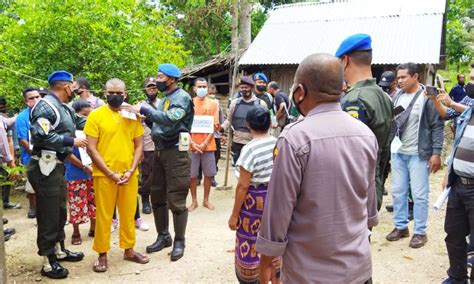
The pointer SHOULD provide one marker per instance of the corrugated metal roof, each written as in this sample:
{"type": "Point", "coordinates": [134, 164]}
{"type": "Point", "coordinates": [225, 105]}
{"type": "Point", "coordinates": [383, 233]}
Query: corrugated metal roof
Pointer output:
{"type": "Point", "coordinates": [401, 31]}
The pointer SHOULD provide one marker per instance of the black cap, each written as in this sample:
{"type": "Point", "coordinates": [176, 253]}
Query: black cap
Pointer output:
{"type": "Point", "coordinates": [245, 80]}
{"type": "Point", "coordinates": [149, 82]}
{"type": "Point", "coordinates": [386, 79]}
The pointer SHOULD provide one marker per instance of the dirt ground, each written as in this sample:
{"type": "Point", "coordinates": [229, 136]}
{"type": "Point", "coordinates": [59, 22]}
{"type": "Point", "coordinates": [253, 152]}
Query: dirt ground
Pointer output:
{"type": "Point", "coordinates": [207, 258]}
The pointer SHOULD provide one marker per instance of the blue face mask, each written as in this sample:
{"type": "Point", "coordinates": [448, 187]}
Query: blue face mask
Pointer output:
{"type": "Point", "coordinates": [201, 92]}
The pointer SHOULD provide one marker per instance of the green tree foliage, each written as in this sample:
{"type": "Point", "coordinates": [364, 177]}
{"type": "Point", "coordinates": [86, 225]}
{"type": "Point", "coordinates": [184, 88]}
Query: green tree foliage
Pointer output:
{"type": "Point", "coordinates": [459, 38]}
{"type": "Point", "coordinates": [206, 24]}
{"type": "Point", "coordinates": [98, 39]}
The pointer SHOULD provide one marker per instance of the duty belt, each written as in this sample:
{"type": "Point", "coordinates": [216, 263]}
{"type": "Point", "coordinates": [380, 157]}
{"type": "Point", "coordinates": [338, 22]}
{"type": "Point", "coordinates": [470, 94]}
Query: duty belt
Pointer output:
{"type": "Point", "coordinates": [466, 181]}
{"type": "Point", "coordinates": [37, 158]}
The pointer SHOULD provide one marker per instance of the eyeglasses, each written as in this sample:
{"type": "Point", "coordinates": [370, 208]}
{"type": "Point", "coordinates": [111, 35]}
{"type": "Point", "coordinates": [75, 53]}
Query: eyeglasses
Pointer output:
{"type": "Point", "coordinates": [114, 93]}
{"type": "Point", "coordinates": [34, 98]}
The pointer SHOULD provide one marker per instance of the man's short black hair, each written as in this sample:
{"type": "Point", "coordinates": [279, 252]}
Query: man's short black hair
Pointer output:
{"type": "Point", "coordinates": [199, 79]}
{"type": "Point", "coordinates": [274, 85]}
{"type": "Point", "coordinates": [83, 83]}
{"type": "Point", "coordinates": [3, 101]}
{"type": "Point", "coordinates": [472, 65]}
{"type": "Point", "coordinates": [411, 67]}
{"type": "Point", "coordinates": [27, 90]}
{"type": "Point", "coordinates": [259, 119]}
{"type": "Point", "coordinates": [80, 104]}
{"type": "Point", "coordinates": [459, 75]}
{"type": "Point", "coordinates": [361, 57]}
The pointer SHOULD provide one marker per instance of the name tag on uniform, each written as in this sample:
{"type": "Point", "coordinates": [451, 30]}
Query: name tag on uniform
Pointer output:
{"type": "Point", "coordinates": [203, 124]}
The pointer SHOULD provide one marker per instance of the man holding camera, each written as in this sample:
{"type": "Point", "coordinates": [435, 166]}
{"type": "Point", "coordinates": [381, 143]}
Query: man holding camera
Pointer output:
{"type": "Point", "coordinates": [415, 154]}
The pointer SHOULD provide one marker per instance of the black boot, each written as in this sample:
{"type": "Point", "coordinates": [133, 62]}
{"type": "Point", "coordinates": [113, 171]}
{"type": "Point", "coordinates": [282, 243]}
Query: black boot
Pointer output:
{"type": "Point", "coordinates": [57, 271]}
{"type": "Point", "coordinates": [69, 255]}
{"type": "Point", "coordinates": [146, 207]}
{"type": "Point", "coordinates": [180, 221]}
{"type": "Point", "coordinates": [164, 239]}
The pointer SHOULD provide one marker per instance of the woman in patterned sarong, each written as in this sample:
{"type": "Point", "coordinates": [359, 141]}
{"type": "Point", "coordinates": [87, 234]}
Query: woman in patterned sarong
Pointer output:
{"type": "Point", "coordinates": [253, 170]}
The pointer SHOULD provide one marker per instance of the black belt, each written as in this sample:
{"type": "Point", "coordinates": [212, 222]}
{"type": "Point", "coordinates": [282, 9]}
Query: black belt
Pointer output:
{"type": "Point", "coordinates": [466, 181]}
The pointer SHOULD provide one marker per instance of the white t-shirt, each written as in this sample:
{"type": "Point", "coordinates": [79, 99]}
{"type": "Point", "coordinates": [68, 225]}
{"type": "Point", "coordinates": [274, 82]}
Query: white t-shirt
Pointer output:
{"type": "Point", "coordinates": [409, 137]}
{"type": "Point", "coordinates": [257, 158]}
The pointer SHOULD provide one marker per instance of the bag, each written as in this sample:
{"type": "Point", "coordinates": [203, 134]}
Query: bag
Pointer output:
{"type": "Point", "coordinates": [47, 162]}
{"type": "Point", "coordinates": [399, 121]}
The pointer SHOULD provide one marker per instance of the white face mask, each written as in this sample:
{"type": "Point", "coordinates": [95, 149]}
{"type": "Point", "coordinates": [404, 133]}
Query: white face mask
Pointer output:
{"type": "Point", "coordinates": [201, 92]}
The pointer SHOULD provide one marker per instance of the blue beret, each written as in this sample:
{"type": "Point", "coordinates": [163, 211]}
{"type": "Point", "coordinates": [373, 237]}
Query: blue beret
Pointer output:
{"type": "Point", "coordinates": [354, 43]}
{"type": "Point", "coordinates": [245, 80]}
{"type": "Point", "coordinates": [260, 76]}
{"type": "Point", "coordinates": [59, 75]}
{"type": "Point", "coordinates": [169, 70]}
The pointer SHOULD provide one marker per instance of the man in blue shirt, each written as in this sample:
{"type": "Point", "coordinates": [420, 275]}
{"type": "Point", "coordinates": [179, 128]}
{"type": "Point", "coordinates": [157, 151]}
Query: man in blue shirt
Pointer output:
{"type": "Point", "coordinates": [30, 97]}
{"type": "Point", "coordinates": [458, 92]}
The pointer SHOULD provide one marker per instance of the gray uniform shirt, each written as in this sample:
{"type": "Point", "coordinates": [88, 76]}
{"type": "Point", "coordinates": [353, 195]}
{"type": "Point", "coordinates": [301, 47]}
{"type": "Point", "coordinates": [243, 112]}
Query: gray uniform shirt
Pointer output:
{"type": "Point", "coordinates": [321, 199]}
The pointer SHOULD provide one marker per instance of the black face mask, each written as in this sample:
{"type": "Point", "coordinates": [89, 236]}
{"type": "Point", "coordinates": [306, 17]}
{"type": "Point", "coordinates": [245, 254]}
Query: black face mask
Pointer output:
{"type": "Point", "coordinates": [115, 100]}
{"type": "Point", "coordinates": [151, 98]}
{"type": "Point", "coordinates": [261, 88]}
{"type": "Point", "coordinates": [73, 94]}
{"type": "Point", "coordinates": [161, 86]}
{"type": "Point", "coordinates": [469, 90]}
{"type": "Point", "coordinates": [245, 94]}
{"type": "Point", "coordinates": [297, 104]}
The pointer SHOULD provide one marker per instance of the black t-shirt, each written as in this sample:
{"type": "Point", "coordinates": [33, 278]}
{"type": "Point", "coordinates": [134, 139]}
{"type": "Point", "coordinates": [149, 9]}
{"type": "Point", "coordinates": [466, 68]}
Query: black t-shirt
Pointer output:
{"type": "Point", "coordinates": [280, 97]}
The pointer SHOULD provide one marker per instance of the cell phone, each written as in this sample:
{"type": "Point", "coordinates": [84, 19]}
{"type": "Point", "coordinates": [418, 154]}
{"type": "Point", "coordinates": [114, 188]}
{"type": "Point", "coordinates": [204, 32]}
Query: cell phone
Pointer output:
{"type": "Point", "coordinates": [398, 110]}
{"type": "Point", "coordinates": [432, 91]}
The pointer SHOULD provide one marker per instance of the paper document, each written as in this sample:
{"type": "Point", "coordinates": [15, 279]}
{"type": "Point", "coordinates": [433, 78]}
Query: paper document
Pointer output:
{"type": "Point", "coordinates": [85, 158]}
{"type": "Point", "coordinates": [203, 124]}
{"type": "Point", "coordinates": [128, 114]}
{"type": "Point", "coordinates": [441, 199]}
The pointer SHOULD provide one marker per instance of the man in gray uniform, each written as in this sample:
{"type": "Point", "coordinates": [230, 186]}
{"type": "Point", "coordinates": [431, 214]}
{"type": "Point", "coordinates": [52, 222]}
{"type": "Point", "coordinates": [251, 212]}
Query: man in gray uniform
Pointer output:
{"type": "Point", "coordinates": [53, 136]}
{"type": "Point", "coordinates": [171, 167]}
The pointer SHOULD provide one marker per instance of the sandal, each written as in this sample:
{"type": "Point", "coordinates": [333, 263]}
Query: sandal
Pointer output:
{"type": "Point", "coordinates": [100, 265]}
{"type": "Point", "coordinates": [91, 233]}
{"type": "Point", "coordinates": [76, 239]}
{"type": "Point", "coordinates": [137, 258]}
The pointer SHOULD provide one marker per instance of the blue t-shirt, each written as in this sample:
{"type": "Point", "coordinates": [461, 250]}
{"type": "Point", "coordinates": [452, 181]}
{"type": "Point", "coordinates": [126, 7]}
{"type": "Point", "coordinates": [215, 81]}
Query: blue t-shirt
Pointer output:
{"type": "Point", "coordinates": [22, 127]}
{"type": "Point", "coordinates": [73, 172]}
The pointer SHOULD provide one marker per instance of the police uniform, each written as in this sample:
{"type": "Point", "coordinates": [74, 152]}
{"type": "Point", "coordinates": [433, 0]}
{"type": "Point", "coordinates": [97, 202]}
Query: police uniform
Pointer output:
{"type": "Point", "coordinates": [368, 103]}
{"type": "Point", "coordinates": [266, 97]}
{"type": "Point", "coordinates": [146, 167]}
{"type": "Point", "coordinates": [171, 167]}
{"type": "Point", "coordinates": [52, 136]}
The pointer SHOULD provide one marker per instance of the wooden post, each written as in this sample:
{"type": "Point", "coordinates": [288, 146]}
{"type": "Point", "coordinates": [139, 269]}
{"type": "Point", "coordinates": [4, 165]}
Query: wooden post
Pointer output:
{"type": "Point", "coordinates": [3, 267]}
{"type": "Point", "coordinates": [235, 51]}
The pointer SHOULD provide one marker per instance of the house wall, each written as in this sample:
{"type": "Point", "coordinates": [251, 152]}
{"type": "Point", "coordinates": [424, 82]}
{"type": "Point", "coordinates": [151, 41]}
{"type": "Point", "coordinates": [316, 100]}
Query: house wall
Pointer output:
{"type": "Point", "coordinates": [284, 75]}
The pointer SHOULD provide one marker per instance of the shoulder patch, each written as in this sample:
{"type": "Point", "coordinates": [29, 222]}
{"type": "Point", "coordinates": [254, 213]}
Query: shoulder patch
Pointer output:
{"type": "Point", "coordinates": [44, 124]}
{"type": "Point", "coordinates": [176, 114]}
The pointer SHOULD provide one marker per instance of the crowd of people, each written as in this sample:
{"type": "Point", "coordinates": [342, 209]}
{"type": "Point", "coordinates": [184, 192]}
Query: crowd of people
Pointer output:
{"type": "Point", "coordinates": [311, 166]}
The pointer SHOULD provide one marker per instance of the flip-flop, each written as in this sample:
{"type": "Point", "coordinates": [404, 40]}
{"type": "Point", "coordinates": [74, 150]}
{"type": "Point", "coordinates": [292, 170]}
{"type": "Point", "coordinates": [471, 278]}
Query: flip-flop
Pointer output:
{"type": "Point", "coordinates": [137, 258]}
{"type": "Point", "coordinates": [100, 265]}
{"type": "Point", "coordinates": [76, 239]}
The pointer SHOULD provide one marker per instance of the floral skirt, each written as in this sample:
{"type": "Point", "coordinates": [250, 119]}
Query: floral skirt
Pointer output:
{"type": "Point", "coordinates": [81, 201]}
{"type": "Point", "coordinates": [247, 260]}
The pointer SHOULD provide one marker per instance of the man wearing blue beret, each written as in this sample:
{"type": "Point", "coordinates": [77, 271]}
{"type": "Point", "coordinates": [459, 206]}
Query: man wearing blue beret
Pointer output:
{"type": "Point", "coordinates": [260, 90]}
{"type": "Point", "coordinates": [172, 120]}
{"type": "Point", "coordinates": [52, 137]}
{"type": "Point", "coordinates": [365, 100]}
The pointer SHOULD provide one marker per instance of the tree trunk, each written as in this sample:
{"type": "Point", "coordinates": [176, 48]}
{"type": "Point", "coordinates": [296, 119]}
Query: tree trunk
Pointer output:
{"type": "Point", "coordinates": [245, 24]}
{"type": "Point", "coordinates": [235, 26]}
